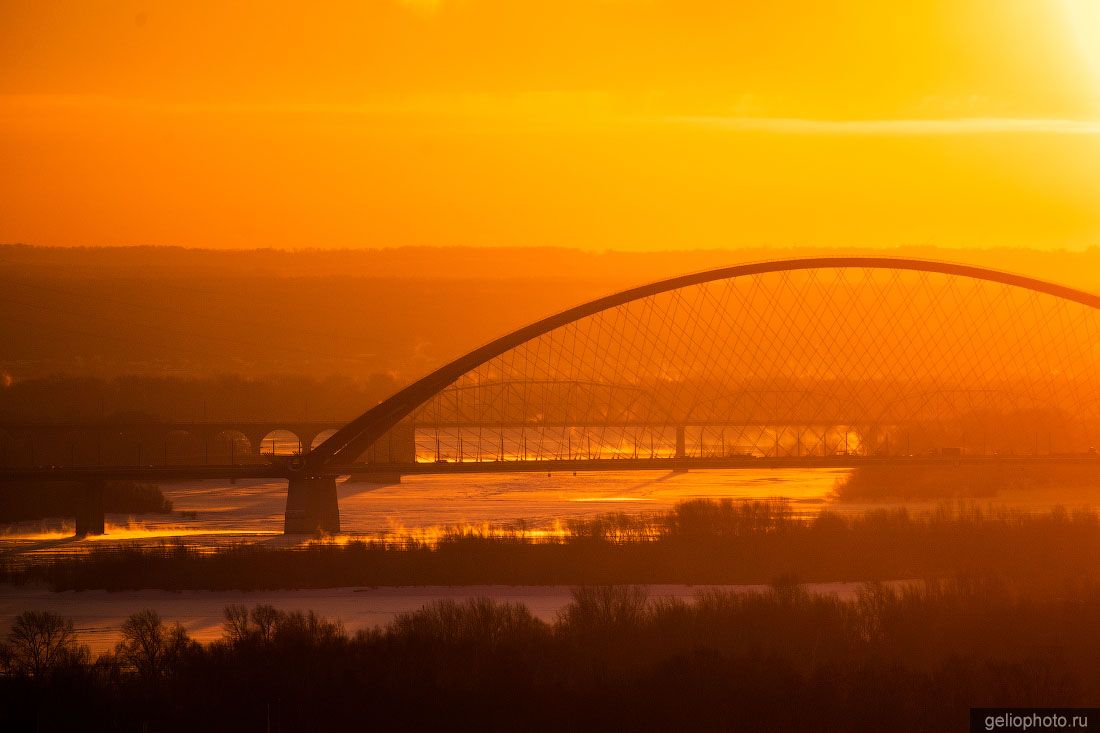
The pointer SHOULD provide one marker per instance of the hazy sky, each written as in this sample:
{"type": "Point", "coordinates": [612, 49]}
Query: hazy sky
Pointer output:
{"type": "Point", "coordinates": [629, 124]}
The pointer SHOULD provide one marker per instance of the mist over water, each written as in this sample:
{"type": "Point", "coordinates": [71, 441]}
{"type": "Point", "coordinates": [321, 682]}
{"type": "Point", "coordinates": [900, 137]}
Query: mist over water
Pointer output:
{"type": "Point", "coordinates": [421, 506]}
{"type": "Point", "coordinates": [218, 513]}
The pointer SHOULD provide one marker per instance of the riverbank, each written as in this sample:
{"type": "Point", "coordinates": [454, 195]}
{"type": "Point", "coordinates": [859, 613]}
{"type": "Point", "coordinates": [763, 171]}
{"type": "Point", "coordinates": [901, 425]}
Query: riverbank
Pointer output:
{"type": "Point", "coordinates": [696, 542]}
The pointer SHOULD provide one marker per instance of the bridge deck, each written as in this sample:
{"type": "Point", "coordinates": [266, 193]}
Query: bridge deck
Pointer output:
{"type": "Point", "coordinates": [279, 471]}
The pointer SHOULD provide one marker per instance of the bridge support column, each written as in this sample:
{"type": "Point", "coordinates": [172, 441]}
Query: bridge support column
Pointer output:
{"type": "Point", "coordinates": [311, 505]}
{"type": "Point", "coordinates": [89, 508]}
{"type": "Point", "coordinates": [681, 446]}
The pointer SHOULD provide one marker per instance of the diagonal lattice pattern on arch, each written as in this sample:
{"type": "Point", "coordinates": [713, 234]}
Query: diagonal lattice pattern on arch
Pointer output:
{"type": "Point", "coordinates": [867, 360]}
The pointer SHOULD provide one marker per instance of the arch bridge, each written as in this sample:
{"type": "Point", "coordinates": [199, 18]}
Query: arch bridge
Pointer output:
{"type": "Point", "coordinates": [812, 361]}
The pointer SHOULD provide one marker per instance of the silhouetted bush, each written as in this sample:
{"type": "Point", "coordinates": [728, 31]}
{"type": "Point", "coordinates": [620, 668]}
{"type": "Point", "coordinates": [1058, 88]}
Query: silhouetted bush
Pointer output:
{"type": "Point", "coordinates": [477, 622]}
{"type": "Point", "coordinates": [134, 497]}
{"type": "Point", "coordinates": [20, 502]}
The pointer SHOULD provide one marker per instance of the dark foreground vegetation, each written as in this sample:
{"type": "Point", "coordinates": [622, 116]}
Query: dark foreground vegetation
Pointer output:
{"type": "Point", "coordinates": [698, 542]}
{"type": "Point", "coordinates": [909, 659]}
{"type": "Point", "coordinates": [57, 498]}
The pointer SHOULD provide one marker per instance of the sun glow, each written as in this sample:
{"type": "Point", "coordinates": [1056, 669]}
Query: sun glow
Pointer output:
{"type": "Point", "coordinates": [1084, 20]}
{"type": "Point", "coordinates": [483, 123]}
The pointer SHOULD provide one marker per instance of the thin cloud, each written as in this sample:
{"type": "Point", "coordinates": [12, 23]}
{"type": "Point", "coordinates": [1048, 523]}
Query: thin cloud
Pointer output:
{"type": "Point", "coordinates": [960, 126]}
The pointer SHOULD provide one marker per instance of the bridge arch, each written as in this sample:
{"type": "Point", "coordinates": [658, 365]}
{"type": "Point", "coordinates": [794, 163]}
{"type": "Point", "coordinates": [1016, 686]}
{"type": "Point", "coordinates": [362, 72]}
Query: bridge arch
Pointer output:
{"type": "Point", "coordinates": [280, 442]}
{"type": "Point", "coordinates": [859, 330]}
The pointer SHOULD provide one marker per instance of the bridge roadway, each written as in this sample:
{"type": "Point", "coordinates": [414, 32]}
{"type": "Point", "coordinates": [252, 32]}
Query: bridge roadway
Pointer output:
{"type": "Point", "coordinates": [312, 503]}
{"type": "Point", "coordinates": [118, 441]}
{"type": "Point", "coordinates": [364, 471]}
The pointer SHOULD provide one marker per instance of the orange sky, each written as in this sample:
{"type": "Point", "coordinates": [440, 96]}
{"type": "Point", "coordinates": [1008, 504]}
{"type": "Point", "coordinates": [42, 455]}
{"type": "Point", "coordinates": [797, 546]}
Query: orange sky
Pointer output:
{"type": "Point", "coordinates": [628, 124]}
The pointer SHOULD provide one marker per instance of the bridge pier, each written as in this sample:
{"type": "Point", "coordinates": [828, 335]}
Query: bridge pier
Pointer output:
{"type": "Point", "coordinates": [311, 505]}
{"type": "Point", "coordinates": [681, 446]}
{"type": "Point", "coordinates": [89, 508]}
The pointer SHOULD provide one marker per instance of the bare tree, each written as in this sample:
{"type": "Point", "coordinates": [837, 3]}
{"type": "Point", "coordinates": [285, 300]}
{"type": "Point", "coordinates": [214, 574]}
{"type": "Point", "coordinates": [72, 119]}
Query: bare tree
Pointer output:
{"type": "Point", "coordinates": [258, 625]}
{"type": "Point", "coordinates": [236, 624]}
{"type": "Point", "coordinates": [149, 646]}
{"type": "Point", "coordinates": [40, 642]}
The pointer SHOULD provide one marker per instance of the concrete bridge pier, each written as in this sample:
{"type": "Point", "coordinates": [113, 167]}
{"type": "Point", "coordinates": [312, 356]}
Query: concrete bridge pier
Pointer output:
{"type": "Point", "coordinates": [89, 508]}
{"type": "Point", "coordinates": [311, 505]}
{"type": "Point", "coordinates": [681, 446]}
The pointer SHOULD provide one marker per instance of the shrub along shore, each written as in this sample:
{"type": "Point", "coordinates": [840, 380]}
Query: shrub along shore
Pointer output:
{"type": "Point", "coordinates": [57, 498]}
{"type": "Point", "coordinates": [697, 542]}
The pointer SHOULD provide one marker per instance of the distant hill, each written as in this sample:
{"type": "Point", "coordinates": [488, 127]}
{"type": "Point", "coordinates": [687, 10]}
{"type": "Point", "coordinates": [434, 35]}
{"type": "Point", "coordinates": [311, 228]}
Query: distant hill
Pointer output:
{"type": "Point", "coordinates": [396, 312]}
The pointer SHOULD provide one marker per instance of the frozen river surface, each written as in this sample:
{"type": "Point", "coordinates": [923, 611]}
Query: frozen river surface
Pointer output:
{"type": "Point", "coordinates": [420, 506]}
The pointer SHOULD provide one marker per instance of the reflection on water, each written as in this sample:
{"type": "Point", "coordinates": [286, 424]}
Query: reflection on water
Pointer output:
{"type": "Point", "coordinates": [422, 507]}
{"type": "Point", "coordinates": [537, 501]}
